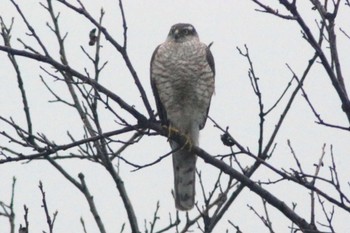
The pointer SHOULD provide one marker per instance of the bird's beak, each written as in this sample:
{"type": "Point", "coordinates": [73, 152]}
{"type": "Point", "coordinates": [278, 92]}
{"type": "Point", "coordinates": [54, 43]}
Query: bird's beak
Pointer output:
{"type": "Point", "coordinates": [176, 34]}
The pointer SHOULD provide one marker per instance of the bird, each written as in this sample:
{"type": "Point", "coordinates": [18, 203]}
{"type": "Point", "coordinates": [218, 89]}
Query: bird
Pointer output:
{"type": "Point", "coordinates": [182, 73]}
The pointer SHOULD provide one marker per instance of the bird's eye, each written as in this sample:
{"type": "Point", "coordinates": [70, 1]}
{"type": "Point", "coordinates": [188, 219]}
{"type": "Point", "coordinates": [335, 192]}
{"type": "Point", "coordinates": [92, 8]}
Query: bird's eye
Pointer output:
{"type": "Point", "coordinates": [186, 31]}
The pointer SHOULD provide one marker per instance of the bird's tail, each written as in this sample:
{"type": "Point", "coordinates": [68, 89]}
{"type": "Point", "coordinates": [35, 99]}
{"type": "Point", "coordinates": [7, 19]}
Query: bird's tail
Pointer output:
{"type": "Point", "coordinates": [184, 163]}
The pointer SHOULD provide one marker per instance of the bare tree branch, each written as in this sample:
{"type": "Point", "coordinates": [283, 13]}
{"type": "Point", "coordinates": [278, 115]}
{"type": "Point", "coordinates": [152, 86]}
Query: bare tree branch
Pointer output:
{"type": "Point", "coordinates": [50, 221]}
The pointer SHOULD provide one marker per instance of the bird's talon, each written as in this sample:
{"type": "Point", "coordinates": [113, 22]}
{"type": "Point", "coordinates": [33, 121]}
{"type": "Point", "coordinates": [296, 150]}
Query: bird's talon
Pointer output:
{"type": "Point", "coordinates": [189, 146]}
{"type": "Point", "coordinates": [188, 143]}
{"type": "Point", "coordinates": [171, 130]}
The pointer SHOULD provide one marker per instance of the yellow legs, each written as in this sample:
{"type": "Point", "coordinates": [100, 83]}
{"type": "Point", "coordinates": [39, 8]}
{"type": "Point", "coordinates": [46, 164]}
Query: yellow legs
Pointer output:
{"type": "Point", "coordinates": [174, 131]}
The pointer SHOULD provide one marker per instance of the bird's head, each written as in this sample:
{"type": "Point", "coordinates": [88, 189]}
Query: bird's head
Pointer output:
{"type": "Point", "coordinates": [182, 32]}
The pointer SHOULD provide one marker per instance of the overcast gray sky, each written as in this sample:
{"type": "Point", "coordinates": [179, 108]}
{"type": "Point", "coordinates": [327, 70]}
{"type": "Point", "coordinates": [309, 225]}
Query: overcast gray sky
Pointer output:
{"type": "Point", "coordinates": [272, 43]}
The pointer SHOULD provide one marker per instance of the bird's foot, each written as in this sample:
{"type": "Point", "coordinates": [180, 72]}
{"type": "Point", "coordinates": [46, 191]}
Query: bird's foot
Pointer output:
{"type": "Point", "coordinates": [188, 143]}
{"type": "Point", "coordinates": [173, 131]}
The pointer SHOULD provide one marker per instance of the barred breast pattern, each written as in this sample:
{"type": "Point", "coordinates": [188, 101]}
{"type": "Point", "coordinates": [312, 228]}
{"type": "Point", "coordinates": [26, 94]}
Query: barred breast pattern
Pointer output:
{"type": "Point", "coordinates": [185, 81]}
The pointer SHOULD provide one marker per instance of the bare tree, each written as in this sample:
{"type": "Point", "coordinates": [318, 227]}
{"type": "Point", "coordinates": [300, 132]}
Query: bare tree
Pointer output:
{"type": "Point", "coordinates": [90, 99]}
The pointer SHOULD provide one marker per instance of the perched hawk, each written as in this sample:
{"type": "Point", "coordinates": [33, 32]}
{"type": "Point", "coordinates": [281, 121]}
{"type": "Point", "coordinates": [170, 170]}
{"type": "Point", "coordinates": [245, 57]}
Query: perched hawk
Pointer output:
{"type": "Point", "coordinates": [182, 78]}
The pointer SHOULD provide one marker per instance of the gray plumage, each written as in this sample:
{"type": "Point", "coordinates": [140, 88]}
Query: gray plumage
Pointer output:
{"type": "Point", "coordinates": [182, 79]}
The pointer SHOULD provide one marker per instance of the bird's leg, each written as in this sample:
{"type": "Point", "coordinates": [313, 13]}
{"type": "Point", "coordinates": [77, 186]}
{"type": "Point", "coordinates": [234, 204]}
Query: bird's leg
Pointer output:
{"type": "Point", "coordinates": [172, 130]}
{"type": "Point", "coordinates": [188, 143]}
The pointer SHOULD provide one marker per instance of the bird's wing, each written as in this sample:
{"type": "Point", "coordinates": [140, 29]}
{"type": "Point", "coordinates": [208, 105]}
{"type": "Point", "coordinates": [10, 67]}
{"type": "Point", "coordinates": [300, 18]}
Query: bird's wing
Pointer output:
{"type": "Point", "coordinates": [210, 59]}
{"type": "Point", "coordinates": [211, 63]}
{"type": "Point", "coordinates": [160, 107]}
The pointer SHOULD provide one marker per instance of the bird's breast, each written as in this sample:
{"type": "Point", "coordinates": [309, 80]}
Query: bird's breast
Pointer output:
{"type": "Point", "coordinates": [184, 80]}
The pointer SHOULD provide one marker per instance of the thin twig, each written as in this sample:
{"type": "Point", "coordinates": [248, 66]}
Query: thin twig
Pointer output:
{"type": "Point", "coordinates": [50, 221]}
